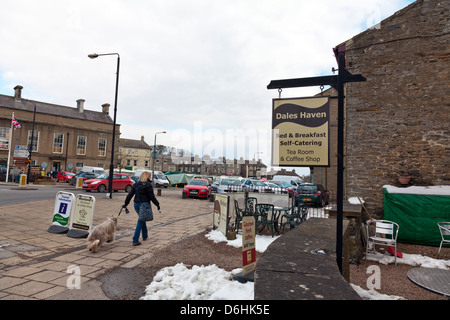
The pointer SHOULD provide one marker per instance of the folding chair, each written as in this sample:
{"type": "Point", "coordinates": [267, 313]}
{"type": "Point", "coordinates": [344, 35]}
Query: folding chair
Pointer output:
{"type": "Point", "coordinates": [381, 233]}
{"type": "Point", "coordinates": [239, 213]}
{"type": "Point", "coordinates": [444, 228]}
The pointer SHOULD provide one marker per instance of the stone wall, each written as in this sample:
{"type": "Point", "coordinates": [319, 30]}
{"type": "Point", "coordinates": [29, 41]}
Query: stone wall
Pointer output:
{"type": "Point", "coordinates": [397, 122]}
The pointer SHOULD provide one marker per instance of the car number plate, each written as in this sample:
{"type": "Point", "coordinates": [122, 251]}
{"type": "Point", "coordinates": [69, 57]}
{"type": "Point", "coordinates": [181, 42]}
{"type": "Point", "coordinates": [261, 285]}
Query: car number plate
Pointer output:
{"type": "Point", "coordinates": [306, 199]}
{"type": "Point", "coordinates": [193, 192]}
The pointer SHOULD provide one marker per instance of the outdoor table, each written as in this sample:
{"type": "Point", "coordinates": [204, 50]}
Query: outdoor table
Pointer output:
{"type": "Point", "coordinates": [276, 215]}
{"type": "Point", "coordinates": [435, 280]}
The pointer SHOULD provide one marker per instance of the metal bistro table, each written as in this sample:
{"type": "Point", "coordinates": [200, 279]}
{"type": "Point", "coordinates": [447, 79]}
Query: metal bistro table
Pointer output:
{"type": "Point", "coordinates": [435, 280]}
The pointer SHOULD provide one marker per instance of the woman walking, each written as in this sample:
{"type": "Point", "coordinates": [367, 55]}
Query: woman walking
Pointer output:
{"type": "Point", "coordinates": [144, 190]}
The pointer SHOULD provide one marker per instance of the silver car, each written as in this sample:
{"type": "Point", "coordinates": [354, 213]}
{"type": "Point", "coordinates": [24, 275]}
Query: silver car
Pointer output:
{"type": "Point", "coordinates": [229, 185]}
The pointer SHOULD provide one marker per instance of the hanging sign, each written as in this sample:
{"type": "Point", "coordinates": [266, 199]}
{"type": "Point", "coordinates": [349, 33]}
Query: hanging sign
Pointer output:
{"type": "Point", "coordinates": [82, 217]}
{"type": "Point", "coordinates": [248, 245]}
{"type": "Point", "coordinates": [61, 212]}
{"type": "Point", "coordinates": [300, 128]}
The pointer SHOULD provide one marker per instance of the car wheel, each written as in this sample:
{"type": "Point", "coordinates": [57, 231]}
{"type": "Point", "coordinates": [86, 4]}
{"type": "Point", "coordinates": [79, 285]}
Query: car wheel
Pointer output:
{"type": "Point", "coordinates": [101, 188]}
{"type": "Point", "coordinates": [128, 188]}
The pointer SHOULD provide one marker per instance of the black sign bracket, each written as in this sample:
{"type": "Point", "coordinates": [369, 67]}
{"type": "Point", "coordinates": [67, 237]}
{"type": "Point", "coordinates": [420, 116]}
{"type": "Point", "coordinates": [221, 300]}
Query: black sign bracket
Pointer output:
{"type": "Point", "coordinates": [337, 82]}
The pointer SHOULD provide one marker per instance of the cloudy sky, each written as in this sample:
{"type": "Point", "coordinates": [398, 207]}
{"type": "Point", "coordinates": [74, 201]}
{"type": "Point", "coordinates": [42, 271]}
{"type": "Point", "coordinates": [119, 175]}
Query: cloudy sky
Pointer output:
{"type": "Point", "coordinates": [197, 69]}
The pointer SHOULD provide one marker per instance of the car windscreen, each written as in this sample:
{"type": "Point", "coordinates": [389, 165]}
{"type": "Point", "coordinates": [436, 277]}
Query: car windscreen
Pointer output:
{"type": "Point", "coordinates": [198, 183]}
{"type": "Point", "coordinates": [307, 189]}
{"type": "Point", "coordinates": [230, 182]}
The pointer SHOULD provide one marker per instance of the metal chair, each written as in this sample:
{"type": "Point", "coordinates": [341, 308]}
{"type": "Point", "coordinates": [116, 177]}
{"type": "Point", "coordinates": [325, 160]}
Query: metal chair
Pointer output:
{"type": "Point", "coordinates": [382, 233]}
{"type": "Point", "coordinates": [264, 217]}
{"type": "Point", "coordinates": [295, 217]}
{"type": "Point", "coordinates": [250, 206]}
{"type": "Point", "coordinates": [239, 213]}
{"type": "Point", "coordinates": [444, 228]}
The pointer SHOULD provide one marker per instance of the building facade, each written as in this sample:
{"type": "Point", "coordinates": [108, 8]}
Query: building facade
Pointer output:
{"type": "Point", "coordinates": [397, 122]}
{"type": "Point", "coordinates": [64, 138]}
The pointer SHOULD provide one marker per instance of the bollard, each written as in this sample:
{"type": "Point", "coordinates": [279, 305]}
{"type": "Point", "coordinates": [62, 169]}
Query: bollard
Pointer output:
{"type": "Point", "coordinates": [158, 192]}
{"type": "Point", "coordinates": [23, 180]}
{"type": "Point", "coordinates": [79, 183]}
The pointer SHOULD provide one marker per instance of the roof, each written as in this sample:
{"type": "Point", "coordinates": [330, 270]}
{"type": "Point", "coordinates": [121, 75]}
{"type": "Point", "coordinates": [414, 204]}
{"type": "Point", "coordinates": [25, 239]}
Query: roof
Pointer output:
{"type": "Point", "coordinates": [136, 144]}
{"type": "Point", "coordinates": [53, 109]}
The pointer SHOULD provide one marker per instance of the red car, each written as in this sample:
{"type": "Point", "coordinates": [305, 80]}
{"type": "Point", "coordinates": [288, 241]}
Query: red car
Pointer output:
{"type": "Point", "coordinates": [120, 182]}
{"type": "Point", "coordinates": [197, 188]}
{"type": "Point", "coordinates": [65, 176]}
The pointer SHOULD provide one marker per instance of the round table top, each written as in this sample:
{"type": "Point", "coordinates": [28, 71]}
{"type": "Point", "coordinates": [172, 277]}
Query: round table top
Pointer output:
{"type": "Point", "coordinates": [436, 280]}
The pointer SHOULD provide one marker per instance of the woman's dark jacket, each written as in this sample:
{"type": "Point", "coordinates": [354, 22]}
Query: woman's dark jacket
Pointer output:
{"type": "Point", "coordinates": [146, 194]}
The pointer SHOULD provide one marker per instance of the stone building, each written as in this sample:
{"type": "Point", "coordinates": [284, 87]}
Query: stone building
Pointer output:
{"type": "Point", "coordinates": [65, 138]}
{"type": "Point", "coordinates": [134, 154]}
{"type": "Point", "coordinates": [397, 122]}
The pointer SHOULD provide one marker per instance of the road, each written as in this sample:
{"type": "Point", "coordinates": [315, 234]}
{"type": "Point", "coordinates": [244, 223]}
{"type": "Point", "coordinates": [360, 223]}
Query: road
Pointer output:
{"type": "Point", "coordinates": [12, 194]}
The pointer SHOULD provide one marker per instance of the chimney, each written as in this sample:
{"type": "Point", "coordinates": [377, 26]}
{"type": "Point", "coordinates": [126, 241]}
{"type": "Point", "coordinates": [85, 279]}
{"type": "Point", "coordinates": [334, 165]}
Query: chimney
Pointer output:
{"type": "Point", "coordinates": [18, 92]}
{"type": "Point", "coordinates": [105, 108]}
{"type": "Point", "coordinates": [80, 105]}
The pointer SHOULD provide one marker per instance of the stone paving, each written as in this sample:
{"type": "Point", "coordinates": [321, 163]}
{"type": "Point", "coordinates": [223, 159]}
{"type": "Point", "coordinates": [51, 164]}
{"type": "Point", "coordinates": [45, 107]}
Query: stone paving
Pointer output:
{"type": "Point", "coordinates": [37, 264]}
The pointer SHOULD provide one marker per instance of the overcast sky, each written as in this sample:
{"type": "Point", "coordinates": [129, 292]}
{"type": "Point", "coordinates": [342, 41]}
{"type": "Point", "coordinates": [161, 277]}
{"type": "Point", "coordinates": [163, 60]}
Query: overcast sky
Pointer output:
{"type": "Point", "coordinates": [198, 69]}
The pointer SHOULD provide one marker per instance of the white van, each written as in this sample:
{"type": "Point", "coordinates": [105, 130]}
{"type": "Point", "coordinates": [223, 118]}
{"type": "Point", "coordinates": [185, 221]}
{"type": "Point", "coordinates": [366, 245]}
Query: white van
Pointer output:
{"type": "Point", "coordinates": [160, 178]}
{"type": "Point", "coordinates": [293, 180]}
{"type": "Point", "coordinates": [93, 169]}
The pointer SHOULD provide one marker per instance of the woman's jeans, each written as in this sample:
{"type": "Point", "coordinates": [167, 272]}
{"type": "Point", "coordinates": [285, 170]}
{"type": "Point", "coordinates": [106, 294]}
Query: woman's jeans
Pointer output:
{"type": "Point", "coordinates": [141, 225]}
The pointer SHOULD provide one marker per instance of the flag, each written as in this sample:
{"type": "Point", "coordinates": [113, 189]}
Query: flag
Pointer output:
{"type": "Point", "coordinates": [15, 123]}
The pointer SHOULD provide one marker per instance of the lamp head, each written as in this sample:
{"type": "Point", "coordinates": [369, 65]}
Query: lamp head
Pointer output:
{"type": "Point", "coordinates": [93, 55]}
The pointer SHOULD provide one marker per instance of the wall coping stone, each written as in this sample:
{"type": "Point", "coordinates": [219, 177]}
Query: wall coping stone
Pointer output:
{"type": "Point", "coordinates": [292, 268]}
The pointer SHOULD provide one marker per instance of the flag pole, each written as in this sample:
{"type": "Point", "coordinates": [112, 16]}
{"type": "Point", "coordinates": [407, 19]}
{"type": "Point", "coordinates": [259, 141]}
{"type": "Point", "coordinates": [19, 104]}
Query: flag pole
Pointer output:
{"type": "Point", "coordinates": [9, 148]}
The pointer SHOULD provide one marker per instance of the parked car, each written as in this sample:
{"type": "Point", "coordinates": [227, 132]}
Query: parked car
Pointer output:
{"type": "Point", "coordinates": [285, 186]}
{"type": "Point", "coordinates": [312, 193]}
{"type": "Point", "coordinates": [101, 183]}
{"type": "Point", "coordinates": [276, 188]}
{"type": "Point", "coordinates": [254, 185]}
{"type": "Point", "coordinates": [215, 185]}
{"type": "Point", "coordinates": [197, 188]}
{"type": "Point", "coordinates": [84, 175]}
{"type": "Point", "coordinates": [64, 176]}
{"type": "Point", "coordinates": [229, 185]}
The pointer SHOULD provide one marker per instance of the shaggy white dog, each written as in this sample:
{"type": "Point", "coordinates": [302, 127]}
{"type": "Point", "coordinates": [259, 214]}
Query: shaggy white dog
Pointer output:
{"type": "Point", "coordinates": [101, 233]}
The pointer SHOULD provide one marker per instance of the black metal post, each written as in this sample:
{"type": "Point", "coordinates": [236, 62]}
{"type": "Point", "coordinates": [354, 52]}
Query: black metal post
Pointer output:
{"type": "Point", "coordinates": [30, 147]}
{"type": "Point", "coordinates": [111, 166]}
{"type": "Point", "coordinates": [340, 161]}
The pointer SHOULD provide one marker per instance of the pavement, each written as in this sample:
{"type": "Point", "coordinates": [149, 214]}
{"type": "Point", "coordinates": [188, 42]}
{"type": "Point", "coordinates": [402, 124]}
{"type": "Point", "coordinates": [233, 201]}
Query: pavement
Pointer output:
{"type": "Point", "coordinates": [38, 265]}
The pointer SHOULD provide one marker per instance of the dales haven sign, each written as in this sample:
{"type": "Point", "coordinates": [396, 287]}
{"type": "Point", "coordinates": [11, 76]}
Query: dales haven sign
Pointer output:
{"type": "Point", "coordinates": [300, 129]}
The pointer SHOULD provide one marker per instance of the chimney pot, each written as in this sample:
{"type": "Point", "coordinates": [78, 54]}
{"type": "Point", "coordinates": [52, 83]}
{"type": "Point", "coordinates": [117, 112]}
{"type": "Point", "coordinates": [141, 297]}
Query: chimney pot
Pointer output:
{"type": "Point", "coordinates": [105, 108]}
{"type": "Point", "coordinates": [80, 105]}
{"type": "Point", "coordinates": [18, 92]}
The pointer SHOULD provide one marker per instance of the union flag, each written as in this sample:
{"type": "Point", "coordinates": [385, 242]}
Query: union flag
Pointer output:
{"type": "Point", "coordinates": [15, 123]}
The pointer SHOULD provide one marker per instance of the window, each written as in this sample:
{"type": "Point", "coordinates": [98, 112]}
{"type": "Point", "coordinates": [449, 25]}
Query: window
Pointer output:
{"type": "Point", "coordinates": [58, 140]}
{"type": "Point", "coordinates": [101, 147]}
{"type": "Point", "coordinates": [81, 146]}
{"type": "Point", "coordinates": [4, 138]}
{"type": "Point", "coordinates": [34, 145]}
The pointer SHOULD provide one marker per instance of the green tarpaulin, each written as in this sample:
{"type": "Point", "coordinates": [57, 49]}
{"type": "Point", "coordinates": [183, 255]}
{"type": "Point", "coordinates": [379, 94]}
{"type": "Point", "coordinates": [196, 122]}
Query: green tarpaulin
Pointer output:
{"type": "Point", "coordinates": [417, 210]}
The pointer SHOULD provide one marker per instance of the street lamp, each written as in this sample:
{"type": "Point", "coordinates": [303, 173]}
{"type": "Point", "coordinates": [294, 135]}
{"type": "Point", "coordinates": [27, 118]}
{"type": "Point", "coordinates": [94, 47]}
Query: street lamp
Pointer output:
{"type": "Point", "coordinates": [154, 157]}
{"type": "Point", "coordinates": [111, 165]}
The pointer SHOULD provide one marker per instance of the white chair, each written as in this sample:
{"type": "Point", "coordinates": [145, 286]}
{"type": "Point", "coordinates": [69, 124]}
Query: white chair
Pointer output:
{"type": "Point", "coordinates": [444, 228]}
{"type": "Point", "coordinates": [382, 233]}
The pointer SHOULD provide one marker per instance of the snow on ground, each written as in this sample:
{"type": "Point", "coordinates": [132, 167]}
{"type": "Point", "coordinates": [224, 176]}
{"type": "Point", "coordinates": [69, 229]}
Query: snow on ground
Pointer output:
{"type": "Point", "coordinates": [213, 283]}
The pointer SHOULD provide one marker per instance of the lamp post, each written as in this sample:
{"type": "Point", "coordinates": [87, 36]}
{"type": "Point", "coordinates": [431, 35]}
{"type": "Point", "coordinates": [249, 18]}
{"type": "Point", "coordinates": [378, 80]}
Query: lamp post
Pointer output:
{"type": "Point", "coordinates": [154, 157]}
{"type": "Point", "coordinates": [111, 165]}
